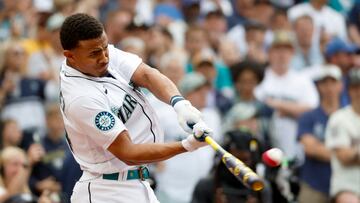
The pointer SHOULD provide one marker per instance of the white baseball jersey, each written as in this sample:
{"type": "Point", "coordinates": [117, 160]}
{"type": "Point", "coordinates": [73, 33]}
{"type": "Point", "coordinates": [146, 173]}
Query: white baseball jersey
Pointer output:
{"type": "Point", "coordinates": [96, 109]}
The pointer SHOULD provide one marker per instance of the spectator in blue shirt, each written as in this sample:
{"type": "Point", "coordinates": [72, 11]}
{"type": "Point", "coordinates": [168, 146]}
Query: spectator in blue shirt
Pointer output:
{"type": "Point", "coordinates": [316, 171]}
{"type": "Point", "coordinates": [46, 174]}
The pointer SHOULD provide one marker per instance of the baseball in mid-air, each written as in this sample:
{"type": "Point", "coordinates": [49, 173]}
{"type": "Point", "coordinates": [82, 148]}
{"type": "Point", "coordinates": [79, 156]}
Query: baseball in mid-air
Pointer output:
{"type": "Point", "coordinates": [272, 157]}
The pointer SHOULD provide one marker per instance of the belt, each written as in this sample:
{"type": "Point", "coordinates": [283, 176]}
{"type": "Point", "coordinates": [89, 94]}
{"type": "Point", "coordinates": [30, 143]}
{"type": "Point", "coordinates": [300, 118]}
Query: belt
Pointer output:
{"type": "Point", "coordinates": [141, 173]}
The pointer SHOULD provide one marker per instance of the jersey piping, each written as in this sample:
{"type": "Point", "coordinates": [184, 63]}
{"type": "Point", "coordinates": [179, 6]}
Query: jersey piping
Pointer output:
{"type": "Point", "coordinates": [142, 108]}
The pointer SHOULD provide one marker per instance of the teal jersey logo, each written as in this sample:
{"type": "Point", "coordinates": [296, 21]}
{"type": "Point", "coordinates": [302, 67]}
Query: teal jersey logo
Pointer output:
{"type": "Point", "coordinates": [104, 121]}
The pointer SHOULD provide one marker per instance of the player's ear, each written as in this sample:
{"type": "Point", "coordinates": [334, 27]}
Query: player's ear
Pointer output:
{"type": "Point", "coordinates": [69, 55]}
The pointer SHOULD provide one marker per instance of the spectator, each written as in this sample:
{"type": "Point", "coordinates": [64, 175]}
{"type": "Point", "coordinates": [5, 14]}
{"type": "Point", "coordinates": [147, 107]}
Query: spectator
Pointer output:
{"type": "Point", "coordinates": [45, 63]}
{"type": "Point", "coordinates": [71, 173]}
{"type": "Point", "coordinates": [339, 53]}
{"type": "Point", "coordinates": [354, 23]}
{"type": "Point", "coordinates": [244, 116]}
{"type": "Point", "coordinates": [116, 23]}
{"type": "Point", "coordinates": [16, 20]}
{"type": "Point", "coordinates": [343, 139]}
{"type": "Point", "coordinates": [246, 76]}
{"type": "Point", "coordinates": [307, 49]}
{"type": "Point", "coordinates": [15, 171]}
{"type": "Point", "coordinates": [40, 40]}
{"type": "Point", "coordinates": [215, 26]}
{"type": "Point", "coordinates": [255, 43]}
{"type": "Point", "coordinates": [134, 45]}
{"type": "Point", "coordinates": [195, 40]}
{"type": "Point", "coordinates": [221, 186]}
{"type": "Point", "coordinates": [160, 43]}
{"type": "Point", "coordinates": [191, 11]}
{"type": "Point", "coordinates": [224, 6]}
{"type": "Point", "coordinates": [287, 93]}
{"type": "Point", "coordinates": [243, 12]}
{"type": "Point", "coordinates": [10, 133]}
{"type": "Point", "coordinates": [280, 21]}
{"type": "Point", "coordinates": [219, 94]}
{"type": "Point", "coordinates": [315, 172]}
{"type": "Point", "coordinates": [46, 173]}
{"type": "Point", "coordinates": [23, 96]}
{"type": "Point", "coordinates": [324, 17]}
{"type": "Point", "coordinates": [64, 7]}
{"type": "Point", "coordinates": [172, 64]}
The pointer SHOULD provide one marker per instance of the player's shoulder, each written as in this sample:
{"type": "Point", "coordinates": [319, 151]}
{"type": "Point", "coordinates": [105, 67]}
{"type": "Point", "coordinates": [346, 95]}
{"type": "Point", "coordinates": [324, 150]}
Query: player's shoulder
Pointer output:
{"type": "Point", "coordinates": [115, 53]}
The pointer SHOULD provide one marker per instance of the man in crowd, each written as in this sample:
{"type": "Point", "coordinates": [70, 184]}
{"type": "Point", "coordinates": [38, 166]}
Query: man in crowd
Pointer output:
{"type": "Point", "coordinates": [343, 139]}
{"type": "Point", "coordinates": [315, 172]}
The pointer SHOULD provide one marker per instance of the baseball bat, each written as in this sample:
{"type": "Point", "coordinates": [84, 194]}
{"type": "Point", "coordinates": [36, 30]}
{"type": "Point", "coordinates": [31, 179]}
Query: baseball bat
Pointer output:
{"type": "Point", "coordinates": [243, 173]}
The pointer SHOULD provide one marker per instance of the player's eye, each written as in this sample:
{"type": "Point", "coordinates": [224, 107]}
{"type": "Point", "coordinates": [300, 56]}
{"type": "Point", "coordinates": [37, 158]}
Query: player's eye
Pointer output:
{"type": "Point", "coordinates": [95, 53]}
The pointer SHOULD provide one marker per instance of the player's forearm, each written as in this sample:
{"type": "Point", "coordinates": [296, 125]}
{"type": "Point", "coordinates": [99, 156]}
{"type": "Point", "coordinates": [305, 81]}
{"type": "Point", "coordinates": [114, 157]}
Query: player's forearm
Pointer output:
{"type": "Point", "coordinates": [161, 86]}
{"type": "Point", "coordinates": [149, 153]}
{"type": "Point", "coordinates": [133, 154]}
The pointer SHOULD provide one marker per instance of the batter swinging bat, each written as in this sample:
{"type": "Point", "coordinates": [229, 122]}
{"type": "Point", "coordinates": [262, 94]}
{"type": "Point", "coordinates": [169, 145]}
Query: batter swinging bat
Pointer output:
{"type": "Point", "coordinates": [237, 167]}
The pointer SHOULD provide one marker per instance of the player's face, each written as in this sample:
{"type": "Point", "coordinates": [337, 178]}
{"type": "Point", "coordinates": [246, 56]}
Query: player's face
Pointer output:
{"type": "Point", "coordinates": [90, 57]}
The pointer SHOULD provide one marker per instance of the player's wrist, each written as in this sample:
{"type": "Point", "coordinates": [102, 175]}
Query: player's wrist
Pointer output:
{"type": "Point", "coordinates": [175, 99]}
{"type": "Point", "coordinates": [191, 144]}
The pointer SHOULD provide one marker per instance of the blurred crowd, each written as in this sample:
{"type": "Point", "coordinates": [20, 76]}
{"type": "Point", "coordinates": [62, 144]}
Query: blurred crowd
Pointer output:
{"type": "Point", "coordinates": [264, 73]}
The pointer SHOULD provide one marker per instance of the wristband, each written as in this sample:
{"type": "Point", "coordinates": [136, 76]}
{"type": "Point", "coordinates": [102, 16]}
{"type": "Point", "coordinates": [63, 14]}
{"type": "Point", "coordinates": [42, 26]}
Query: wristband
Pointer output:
{"type": "Point", "coordinates": [175, 99]}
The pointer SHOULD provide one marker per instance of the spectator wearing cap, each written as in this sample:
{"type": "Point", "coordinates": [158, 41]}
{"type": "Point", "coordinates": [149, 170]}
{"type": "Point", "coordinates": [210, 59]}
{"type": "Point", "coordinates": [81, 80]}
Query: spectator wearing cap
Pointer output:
{"type": "Point", "coordinates": [326, 18]}
{"type": "Point", "coordinates": [287, 93]}
{"type": "Point", "coordinates": [343, 139]}
{"type": "Point", "coordinates": [307, 47]}
{"type": "Point", "coordinates": [338, 52]}
{"type": "Point", "coordinates": [177, 177]}
{"type": "Point", "coordinates": [245, 116]}
{"type": "Point", "coordinates": [316, 171]}
{"type": "Point", "coordinates": [219, 80]}
{"type": "Point", "coordinates": [221, 186]}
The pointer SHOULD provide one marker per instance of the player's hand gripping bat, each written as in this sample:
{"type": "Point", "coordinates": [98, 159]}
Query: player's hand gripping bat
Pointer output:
{"type": "Point", "coordinates": [243, 173]}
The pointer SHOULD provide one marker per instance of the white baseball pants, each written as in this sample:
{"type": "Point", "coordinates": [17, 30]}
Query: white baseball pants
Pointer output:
{"type": "Point", "coordinates": [112, 191]}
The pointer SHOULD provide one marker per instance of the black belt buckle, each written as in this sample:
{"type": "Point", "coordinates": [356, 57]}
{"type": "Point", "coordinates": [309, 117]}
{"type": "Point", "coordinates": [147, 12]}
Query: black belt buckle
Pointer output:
{"type": "Point", "coordinates": [141, 172]}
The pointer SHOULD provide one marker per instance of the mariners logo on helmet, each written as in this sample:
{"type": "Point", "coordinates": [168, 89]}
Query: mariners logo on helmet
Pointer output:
{"type": "Point", "coordinates": [104, 121]}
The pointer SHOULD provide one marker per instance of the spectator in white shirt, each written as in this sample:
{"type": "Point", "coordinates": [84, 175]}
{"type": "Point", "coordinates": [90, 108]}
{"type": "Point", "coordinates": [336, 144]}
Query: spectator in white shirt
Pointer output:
{"type": "Point", "coordinates": [287, 93]}
{"type": "Point", "coordinates": [324, 17]}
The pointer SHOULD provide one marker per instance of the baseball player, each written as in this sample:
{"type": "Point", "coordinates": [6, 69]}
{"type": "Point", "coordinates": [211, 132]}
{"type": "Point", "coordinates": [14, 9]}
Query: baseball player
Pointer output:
{"type": "Point", "coordinates": [111, 128]}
